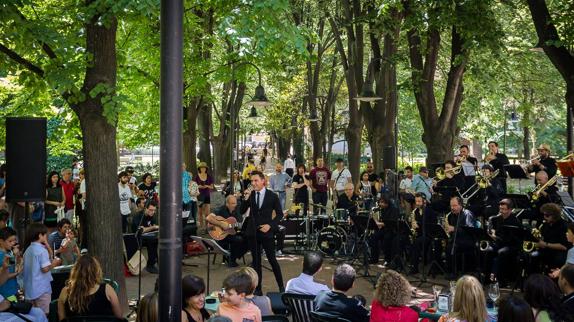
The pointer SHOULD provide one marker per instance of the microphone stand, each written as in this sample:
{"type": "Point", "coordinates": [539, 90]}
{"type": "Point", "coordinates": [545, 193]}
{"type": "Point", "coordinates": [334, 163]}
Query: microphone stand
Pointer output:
{"type": "Point", "coordinates": [138, 235]}
{"type": "Point", "coordinates": [452, 251]}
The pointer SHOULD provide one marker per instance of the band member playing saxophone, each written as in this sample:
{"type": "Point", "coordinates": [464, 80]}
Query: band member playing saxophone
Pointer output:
{"type": "Point", "coordinates": [422, 217]}
{"type": "Point", "coordinates": [497, 160]}
{"type": "Point", "coordinates": [459, 242]}
{"type": "Point", "coordinates": [501, 254]}
{"type": "Point", "coordinates": [385, 231]}
{"type": "Point", "coordinates": [553, 244]}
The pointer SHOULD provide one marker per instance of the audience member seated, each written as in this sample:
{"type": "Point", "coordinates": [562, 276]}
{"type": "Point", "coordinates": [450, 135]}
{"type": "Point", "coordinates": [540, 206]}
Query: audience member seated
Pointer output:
{"type": "Point", "coordinates": [392, 295]}
{"type": "Point", "coordinates": [544, 297]}
{"type": "Point", "coordinates": [234, 305]}
{"type": "Point", "coordinates": [566, 284]}
{"type": "Point", "coordinates": [261, 301]}
{"type": "Point", "coordinates": [304, 283]}
{"type": "Point", "coordinates": [148, 308]}
{"type": "Point", "coordinates": [193, 293]}
{"type": "Point", "coordinates": [514, 309]}
{"type": "Point", "coordinates": [336, 303]}
{"type": "Point", "coordinates": [86, 294]}
{"type": "Point", "coordinates": [469, 302]}
{"type": "Point", "coordinates": [10, 262]}
{"type": "Point", "coordinates": [55, 238]}
{"type": "Point", "coordinates": [35, 314]}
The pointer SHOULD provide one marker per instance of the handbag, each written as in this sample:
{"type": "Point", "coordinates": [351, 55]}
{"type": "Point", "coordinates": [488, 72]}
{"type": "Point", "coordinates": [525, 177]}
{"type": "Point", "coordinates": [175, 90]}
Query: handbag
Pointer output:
{"type": "Point", "coordinates": [134, 264]}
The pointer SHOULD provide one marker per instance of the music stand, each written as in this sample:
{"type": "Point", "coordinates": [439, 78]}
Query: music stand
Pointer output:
{"type": "Point", "coordinates": [436, 233]}
{"type": "Point", "coordinates": [212, 247]}
{"type": "Point", "coordinates": [515, 171]}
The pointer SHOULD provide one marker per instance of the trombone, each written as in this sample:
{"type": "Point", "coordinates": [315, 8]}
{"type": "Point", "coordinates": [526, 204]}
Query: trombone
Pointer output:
{"type": "Point", "coordinates": [481, 182]}
{"type": "Point", "coordinates": [535, 194]}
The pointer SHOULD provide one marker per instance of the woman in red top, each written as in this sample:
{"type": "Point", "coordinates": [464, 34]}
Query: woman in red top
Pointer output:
{"type": "Point", "coordinates": [391, 297]}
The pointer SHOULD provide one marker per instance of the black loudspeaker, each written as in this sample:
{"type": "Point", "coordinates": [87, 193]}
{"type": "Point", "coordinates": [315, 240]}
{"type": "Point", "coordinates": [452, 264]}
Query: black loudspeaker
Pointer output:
{"type": "Point", "coordinates": [25, 159]}
{"type": "Point", "coordinates": [389, 157]}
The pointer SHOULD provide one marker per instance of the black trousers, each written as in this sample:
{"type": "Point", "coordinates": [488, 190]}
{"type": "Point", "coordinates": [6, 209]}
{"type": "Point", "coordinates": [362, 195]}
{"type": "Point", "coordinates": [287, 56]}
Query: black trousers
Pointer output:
{"type": "Point", "coordinates": [503, 262]}
{"type": "Point", "coordinates": [319, 198]}
{"type": "Point", "coordinates": [416, 250]}
{"type": "Point", "coordinates": [389, 239]}
{"type": "Point", "coordinates": [256, 244]}
{"type": "Point", "coordinates": [464, 249]}
{"type": "Point", "coordinates": [236, 245]}
{"type": "Point", "coordinates": [289, 172]}
{"type": "Point", "coordinates": [280, 237]}
{"type": "Point", "coordinates": [151, 245]}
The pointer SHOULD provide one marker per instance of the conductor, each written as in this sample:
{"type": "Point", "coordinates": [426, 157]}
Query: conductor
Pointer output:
{"type": "Point", "coordinates": [260, 226]}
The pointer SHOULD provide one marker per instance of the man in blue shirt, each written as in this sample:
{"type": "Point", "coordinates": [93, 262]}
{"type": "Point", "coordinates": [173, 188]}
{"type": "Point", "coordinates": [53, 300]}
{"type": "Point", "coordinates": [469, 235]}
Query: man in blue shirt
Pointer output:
{"type": "Point", "coordinates": [422, 183]}
{"type": "Point", "coordinates": [304, 284]}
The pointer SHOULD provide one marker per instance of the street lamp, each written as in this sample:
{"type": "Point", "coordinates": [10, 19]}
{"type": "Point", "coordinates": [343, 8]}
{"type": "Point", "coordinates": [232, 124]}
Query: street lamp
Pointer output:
{"type": "Point", "coordinates": [253, 113]}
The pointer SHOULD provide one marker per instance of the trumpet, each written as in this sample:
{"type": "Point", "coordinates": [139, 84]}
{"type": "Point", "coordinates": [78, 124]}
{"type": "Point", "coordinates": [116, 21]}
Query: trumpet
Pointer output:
{"type": "Point", "coordinates": [460, 159]}
{"type": "Point", "coordinates": [535, 194]}
{"type": "Point", "coordinates": [534, 158]}
{"type": "Point", "coordinates": [489, 157]}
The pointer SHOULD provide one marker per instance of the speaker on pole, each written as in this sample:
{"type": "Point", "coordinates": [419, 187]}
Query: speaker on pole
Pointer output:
{"type": "Point", "coordinates": [25, 159]}
{"type": "Point", "coordinates": [389, 157]}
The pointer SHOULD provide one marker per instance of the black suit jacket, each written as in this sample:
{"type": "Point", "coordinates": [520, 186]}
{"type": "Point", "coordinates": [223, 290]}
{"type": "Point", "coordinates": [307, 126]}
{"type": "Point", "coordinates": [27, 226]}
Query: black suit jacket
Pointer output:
{"type": "Point", "coordinates": [261, 216]}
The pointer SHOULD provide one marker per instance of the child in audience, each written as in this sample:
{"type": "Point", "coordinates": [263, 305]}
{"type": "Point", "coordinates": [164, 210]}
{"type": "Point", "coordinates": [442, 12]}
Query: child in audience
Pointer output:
{"type": "Point", "coordinates": [69, 249]}
{"type": "Point", "coordinates": [10, 258]}
{"type": "Point", "coordinates": [37, 266]}
{"type": "Point", "coordinates": [233, 303]}
{"type": "Point", "coordinates": [261, 301]}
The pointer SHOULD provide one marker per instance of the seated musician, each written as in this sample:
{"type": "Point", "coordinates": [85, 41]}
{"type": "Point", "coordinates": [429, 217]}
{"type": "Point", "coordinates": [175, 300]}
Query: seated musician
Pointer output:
{"type": "Point", "coordinates": [506, 243]}
{"type": "Point", "coordinates": [423, 218]}
{"type": "Point", "coordinates": [488, 198]}
{"type": "Point", "coordinates": [460, 241]}
{"type": "Point", "coordinates": [348, 200]}
{"type": "Point", "coordinates": [544, 162]}
{"type": "Point", "coordinates": [553, 245]}
{"type": "Point", "coordinates": [145, 222]}
{"type": "Point", "coordinates": [544, 196]}
{"type": "Point", "coordinates": [234, 243]}
{"type": "Point", "coordinates": [385, 231]}
{"type": "Point", "coordinates": [447, 187]}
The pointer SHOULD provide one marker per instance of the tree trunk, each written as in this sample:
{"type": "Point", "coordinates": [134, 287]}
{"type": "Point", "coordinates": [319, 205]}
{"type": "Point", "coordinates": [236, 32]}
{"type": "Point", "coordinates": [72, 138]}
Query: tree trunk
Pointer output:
{"type": "Point", "coordinates": [525, 142]}
{"type": "Point", "coordinates": [190, 135]}
{"type": "Point", "coordinates": [204, 126]}
{"type": "Point", "coordinates": [99, 144]}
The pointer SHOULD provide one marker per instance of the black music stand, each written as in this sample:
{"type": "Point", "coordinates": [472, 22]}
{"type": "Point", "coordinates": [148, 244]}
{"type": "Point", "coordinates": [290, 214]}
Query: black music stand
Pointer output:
{"type": "Point", "coordinates": [436, 233]}
{"type": "Point", "coordinates": [212, 247]}
{"type": "Point", "coordinates": [477, 235]}
{"type": "Point", "coordinates": [403, 229]}
{"type": "Point", "coordinates": [516, 171]}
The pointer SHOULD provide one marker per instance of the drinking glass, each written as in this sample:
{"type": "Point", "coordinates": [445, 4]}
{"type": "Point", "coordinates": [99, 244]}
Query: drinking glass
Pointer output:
{"type": "Point", "coordinates": [494, 292]}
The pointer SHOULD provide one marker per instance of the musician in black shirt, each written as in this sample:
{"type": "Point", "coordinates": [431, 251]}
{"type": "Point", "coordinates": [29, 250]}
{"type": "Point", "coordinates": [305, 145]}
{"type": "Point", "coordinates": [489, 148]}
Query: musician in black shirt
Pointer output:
{"type": "Point", "coordinates": [460, 241]}
{"type": "Point", "coordinates": [449, 187]}
{"type": "Point", "coordinates": [553, 246]}
{"type": "Point", "coordinates": [544, 163]}
{"type": "Point", "coordinates": [497, 160]}
{"type": "Point", "coordinates": [236, 244]}
{"type": "Point", "coordinates": [466, 160]}
{"type": "Point", "coordinates": [547, 195]}
{"type": "Point", "coordinates": [348, 200]}
{"type": "Point", "coordinates": [487, 200]}
{"type": "Point", "coordinates": [385, 230]}
{"type": "Point", "coordinates": [145, 222]}
{"type": "Point", "coordinates": [504, 229]}
{"type": "Point", "coordinates": [423, 218]}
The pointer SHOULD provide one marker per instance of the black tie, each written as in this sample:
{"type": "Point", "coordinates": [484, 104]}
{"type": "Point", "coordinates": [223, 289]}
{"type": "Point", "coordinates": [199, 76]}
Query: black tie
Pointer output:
{"type": "Point", "coordinates": [257, 200]}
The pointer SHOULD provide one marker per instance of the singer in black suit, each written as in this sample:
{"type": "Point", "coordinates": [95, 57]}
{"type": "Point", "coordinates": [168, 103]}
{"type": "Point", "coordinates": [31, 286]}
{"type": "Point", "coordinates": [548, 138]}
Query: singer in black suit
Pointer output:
{"type": "Point", "coordinates": [261, 226]}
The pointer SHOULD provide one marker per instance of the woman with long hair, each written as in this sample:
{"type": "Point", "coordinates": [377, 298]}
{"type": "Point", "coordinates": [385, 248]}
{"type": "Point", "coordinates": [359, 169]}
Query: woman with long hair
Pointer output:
{"type": "Point", "coordinates": [148, 308]}
{"type": "Point", "coordinates": [86, 294]}
{"type": "Point", "coordinates": [545, 298]}
{"type": "Point", "coordinates": [55, 198]}
{"type": "Point", "coordinates": [469, 302]}
{"type": "Point", "coordinates": [514, 309]}
{"type": "Point", "coordinates": [193, 296]}
{"type": "Point", "coordinates": [392, 294]}
{"type": "Point", "coordinates": [205, 184]}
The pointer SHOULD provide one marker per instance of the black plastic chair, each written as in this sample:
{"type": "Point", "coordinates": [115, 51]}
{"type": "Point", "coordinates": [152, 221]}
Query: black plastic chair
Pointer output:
{"type": "Point", "coordinates": [274, 318]}
{"type": "Point", "coordinates": [326, 317]}
{"type": "Point", "coordinates": [277, 305]}
{"type": "Point", "coordinates": [299, 305]}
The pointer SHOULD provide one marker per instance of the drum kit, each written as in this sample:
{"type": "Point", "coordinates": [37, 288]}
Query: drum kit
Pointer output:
{"type": "Point", "coordinates": [334, 234]}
